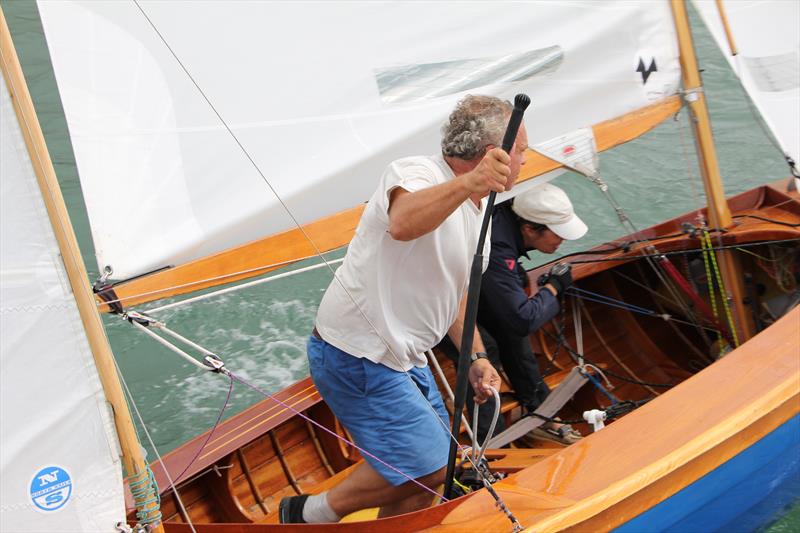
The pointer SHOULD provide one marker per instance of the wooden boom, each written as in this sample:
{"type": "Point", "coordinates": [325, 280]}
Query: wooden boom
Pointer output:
{"type": "Point", "coordinates": [335, 231]}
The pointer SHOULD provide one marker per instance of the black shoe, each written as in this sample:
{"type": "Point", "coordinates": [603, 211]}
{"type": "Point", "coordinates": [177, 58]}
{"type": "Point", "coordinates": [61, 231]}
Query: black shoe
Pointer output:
{"type": "Point", "coordinates": [290, 510]}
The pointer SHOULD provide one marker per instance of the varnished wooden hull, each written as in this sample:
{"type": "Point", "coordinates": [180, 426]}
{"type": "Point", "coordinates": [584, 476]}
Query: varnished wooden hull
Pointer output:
{"type": "Point", "coordinates": [624, 476]}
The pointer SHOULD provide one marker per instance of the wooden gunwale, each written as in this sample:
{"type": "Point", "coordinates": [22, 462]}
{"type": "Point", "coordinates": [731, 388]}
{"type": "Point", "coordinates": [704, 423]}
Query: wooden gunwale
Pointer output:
{"type": "Point", "coordinates": [332, 232]}
{"type": "Point", "coordinates": [758, 382]}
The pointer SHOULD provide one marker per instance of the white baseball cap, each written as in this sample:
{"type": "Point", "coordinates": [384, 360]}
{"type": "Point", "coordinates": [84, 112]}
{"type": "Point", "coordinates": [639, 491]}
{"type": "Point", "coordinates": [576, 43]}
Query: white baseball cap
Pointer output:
{"type": "Point", "coordinates": [549, 205]}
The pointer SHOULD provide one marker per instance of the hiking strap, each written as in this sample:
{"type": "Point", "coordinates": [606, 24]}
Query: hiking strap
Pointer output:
{"type": "Point", "coordinates": [549, 407]}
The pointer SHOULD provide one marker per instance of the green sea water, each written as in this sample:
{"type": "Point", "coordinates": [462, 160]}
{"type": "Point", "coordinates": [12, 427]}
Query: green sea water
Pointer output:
{"type": "Point", "coordinates": [261, 332]}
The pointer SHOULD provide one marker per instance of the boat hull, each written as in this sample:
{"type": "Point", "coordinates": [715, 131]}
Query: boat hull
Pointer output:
{"type": "Point", "coordinates": [742, 494]}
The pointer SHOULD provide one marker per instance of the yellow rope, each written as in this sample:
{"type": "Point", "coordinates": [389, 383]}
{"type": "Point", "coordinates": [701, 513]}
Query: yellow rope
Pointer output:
{"type": "Point", "coordinates": [722, 293]}
{"type": "Point", "coordinates": [710, 282]}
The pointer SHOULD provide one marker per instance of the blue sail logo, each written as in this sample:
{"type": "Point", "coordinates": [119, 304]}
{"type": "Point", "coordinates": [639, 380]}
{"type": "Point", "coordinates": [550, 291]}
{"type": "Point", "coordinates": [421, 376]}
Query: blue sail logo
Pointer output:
{"type": "Point", "coordinates": [51, 488]}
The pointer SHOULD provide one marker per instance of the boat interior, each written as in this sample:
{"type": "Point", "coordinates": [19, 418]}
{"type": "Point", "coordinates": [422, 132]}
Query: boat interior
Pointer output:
{"type": "Point", "coordinates": [635, 335]}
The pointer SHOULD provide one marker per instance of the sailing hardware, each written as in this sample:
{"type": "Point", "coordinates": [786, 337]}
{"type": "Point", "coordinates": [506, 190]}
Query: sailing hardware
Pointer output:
{"type": "Point", "coordinates": [521, 103]}
{"type": "Point", "coordinates": [596, 418]}
{"type": "Point", "coordinates": [211, 361]}
{"type": "Point", "coordinates": [106, 293]}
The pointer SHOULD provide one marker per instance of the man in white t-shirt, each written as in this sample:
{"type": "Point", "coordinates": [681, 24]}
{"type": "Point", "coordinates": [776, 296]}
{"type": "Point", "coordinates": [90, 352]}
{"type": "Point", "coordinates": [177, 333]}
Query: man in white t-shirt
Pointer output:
{"type": "Point", "coordinates": [401, 289]}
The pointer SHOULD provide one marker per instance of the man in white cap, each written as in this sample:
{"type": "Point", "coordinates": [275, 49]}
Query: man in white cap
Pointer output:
{"type": "Point", "coordinates": [538, 219]}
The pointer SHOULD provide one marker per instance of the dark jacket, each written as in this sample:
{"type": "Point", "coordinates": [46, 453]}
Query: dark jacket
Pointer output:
{"type": "Point", "coordinates": [504, 305]}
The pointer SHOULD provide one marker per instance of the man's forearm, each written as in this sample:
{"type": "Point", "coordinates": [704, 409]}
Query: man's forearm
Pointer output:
{"type": "Point", "coordinates": [414, 214]}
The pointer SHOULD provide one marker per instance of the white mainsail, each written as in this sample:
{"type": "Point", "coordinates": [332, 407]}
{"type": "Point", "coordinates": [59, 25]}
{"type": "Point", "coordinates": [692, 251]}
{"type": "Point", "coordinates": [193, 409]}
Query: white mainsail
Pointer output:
{"type": "Point", "coordinates": [768, 61]}
{"type": "Point", "coordinates": [59, 460]}
{"type": "Point", "coordinates": [321, 94]}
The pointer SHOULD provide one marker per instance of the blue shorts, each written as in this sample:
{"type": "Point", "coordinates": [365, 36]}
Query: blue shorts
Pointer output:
{"type": "Point", "coordinates": [384, 411]}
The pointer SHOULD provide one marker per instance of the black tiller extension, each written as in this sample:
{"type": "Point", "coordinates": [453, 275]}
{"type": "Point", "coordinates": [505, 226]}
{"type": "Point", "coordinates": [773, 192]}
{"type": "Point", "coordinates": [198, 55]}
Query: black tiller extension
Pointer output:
{"type": "Point", "coordinates": [521, 102]}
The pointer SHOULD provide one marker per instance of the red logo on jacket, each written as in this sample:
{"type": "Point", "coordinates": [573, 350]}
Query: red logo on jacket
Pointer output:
{"type": "Point", "coordinates": [511, 263]}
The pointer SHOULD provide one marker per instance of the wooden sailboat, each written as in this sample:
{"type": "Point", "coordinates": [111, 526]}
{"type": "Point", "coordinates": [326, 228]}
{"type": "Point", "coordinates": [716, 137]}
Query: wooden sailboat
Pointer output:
{"type": "Point", "coordinates": [712, 437]}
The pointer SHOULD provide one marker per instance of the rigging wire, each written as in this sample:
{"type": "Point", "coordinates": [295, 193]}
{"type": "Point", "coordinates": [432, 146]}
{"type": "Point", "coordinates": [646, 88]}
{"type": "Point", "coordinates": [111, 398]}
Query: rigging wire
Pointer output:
{"type": "Point", "coordinates": [154, 447]}
{"type": "Point", "coordinates": [242, 286]}
{"type": "Point", "coordinates": [210, 434]}
{"type": "Point", "coordinates": [291, 215]}
{"type": "Point", "coordinates": [681, 252]}
{"type": "Point", "coordinates": [271, 266]}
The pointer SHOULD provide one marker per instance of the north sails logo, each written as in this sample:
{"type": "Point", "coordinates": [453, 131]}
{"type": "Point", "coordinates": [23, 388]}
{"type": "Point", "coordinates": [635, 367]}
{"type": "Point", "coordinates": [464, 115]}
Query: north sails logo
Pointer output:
{"type": "Point", "coordinates": [511, 263]}
{"type": "Point", "coordinates": [645, 72]}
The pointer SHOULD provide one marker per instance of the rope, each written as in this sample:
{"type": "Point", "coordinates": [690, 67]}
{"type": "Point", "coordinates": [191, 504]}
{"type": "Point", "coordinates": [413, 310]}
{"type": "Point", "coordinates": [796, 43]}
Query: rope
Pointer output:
{"type": "Point", "coordinates": [711, 290]}
{"type": "Point", "coordinates": [446, 385]}
{"type": "Point", "coordinates": [145, 492]}
{"type": "Point", "coordinates": [236, 288]}
{"type": "Point", "coordinates": [722, 292]}
{"type": "Point", "coordinates": [478, 452]}
{"type": "Point", "coordinates": [210, 434]}
{"type": "Point", "coordinates": [682, 252]}
{"type": "Point", "coordinates": [153, 445]}
{"type": "Point", "coordinates": [205, 280]}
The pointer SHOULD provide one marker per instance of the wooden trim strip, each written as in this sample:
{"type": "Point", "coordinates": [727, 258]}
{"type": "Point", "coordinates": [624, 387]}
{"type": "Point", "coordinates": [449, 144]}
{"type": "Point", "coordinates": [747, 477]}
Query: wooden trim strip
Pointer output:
{"type": "Point", "coordinates": [335, 231]}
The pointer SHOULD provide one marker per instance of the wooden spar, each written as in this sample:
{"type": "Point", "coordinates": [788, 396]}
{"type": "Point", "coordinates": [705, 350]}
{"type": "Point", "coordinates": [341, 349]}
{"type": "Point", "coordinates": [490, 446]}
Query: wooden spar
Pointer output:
{"type": "Point", "coordinates": [335, 231]}
{"type": "Point", "coordinates": [726, 26]}
{"type": "Point", "coordinates": [73, 263]}
{"type": "Point", "coordinates": [719, 213]}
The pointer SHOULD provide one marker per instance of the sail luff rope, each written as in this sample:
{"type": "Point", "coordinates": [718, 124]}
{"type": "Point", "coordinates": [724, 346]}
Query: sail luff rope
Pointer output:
{"type": "Point", "coordinates": [453, 438]}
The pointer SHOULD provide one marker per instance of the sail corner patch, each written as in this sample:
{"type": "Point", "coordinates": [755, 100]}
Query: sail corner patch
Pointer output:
{"type": "Point", "coordinates": [50, 488]}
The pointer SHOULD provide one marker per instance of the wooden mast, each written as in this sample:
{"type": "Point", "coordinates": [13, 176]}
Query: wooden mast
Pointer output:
{"type": "Point", "coordinates": [132, 457]}
{"type": "Point", "coordinates": [719, 213]}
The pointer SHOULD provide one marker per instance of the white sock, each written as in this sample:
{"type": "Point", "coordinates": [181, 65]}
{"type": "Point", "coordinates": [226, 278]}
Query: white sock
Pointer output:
{"type": "Point", "coordinates": [316, 509]}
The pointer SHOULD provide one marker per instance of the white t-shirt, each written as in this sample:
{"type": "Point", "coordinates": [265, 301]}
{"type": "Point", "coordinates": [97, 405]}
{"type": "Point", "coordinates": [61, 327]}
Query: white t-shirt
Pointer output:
{"type": "Point", "coordinates": [393, 300]}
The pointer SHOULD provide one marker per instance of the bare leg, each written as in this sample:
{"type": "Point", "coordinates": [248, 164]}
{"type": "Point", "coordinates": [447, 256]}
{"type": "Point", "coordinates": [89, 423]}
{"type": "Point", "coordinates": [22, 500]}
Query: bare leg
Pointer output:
{"type": "Point", "coordinates": [365, 488]}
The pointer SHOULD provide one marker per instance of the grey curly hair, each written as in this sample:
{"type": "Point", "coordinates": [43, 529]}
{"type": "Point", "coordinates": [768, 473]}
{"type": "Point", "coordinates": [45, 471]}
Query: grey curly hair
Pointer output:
{"type": "Point", "coordinates": [477, 121]}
